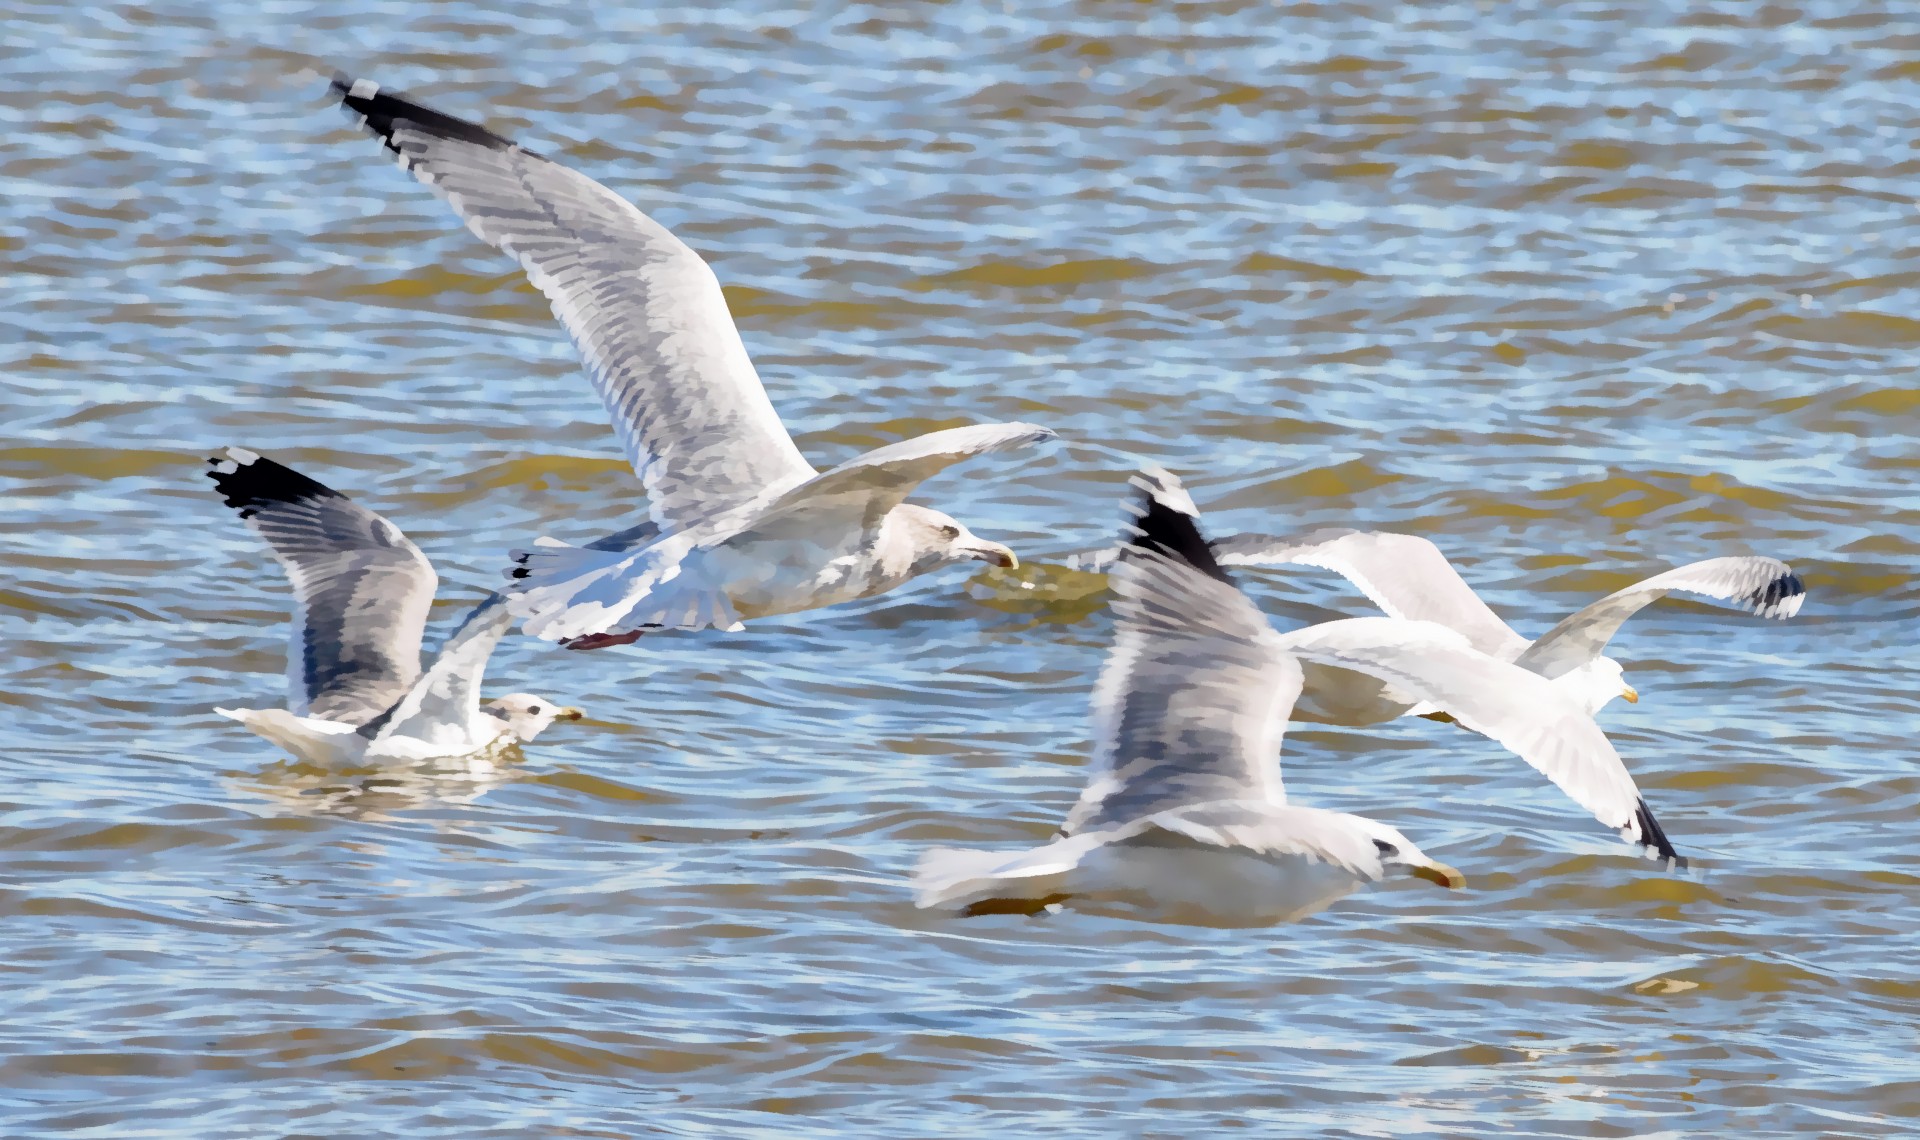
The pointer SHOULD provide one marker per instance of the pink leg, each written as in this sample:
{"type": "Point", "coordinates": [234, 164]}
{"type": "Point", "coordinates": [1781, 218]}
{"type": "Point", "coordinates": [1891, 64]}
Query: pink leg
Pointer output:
{"type": "Point", "coordinates": [602, 640]}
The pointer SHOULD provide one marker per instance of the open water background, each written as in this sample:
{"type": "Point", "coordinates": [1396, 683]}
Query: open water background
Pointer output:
{"type": "Point", "coordinates": [1579, 290]}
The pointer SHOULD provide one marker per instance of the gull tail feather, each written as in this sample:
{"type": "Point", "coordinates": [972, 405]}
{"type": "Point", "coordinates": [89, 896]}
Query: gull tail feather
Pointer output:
{"type": "Point", "coordinates": [561, 592]}
{"type": "Point", "coordinates": [307, 738]}
{"type": "Point", "coordinates": [955, 878]}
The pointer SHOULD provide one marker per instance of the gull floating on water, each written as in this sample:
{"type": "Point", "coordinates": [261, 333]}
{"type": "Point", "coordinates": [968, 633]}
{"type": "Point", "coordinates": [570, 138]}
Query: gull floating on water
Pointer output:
{"type": "Point", "coordinates": [748, 527]}
{"type": "Point", "coordinates": [1408, 577]}
{"type": "Point", "coordinates": [361, 593]}
{"type": "Point", "coordinates": [1184, 817]}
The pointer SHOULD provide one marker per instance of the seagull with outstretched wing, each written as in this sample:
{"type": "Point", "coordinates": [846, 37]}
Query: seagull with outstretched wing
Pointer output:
{"type": "Point", "coordinates": [1184, 817]}
{"type": "Point", "coordinates": [361, 589]}
{"type": "Point", "coordinates": [748, 527]}
{"type": "Point", "coordinates": [1408, 577]}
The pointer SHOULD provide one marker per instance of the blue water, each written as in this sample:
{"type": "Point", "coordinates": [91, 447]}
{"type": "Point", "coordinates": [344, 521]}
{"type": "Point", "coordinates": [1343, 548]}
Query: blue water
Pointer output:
{"type": "Point", "coordinates": [1578, 291]}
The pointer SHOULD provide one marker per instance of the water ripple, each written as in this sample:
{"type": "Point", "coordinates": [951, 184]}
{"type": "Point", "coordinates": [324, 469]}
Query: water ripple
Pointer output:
{"type": "Point", "coordinates": [1578, 292]}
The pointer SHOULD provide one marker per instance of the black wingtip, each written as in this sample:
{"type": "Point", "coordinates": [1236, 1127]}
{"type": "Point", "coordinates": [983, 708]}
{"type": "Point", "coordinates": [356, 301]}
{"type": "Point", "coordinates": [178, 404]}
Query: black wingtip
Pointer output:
{"type": "Point", "coordinates": [1777, 598]}
{"type": "Point", "coordinates": [1165, 522]}
{"type": "Point", "coordinates": [248, 481]}
{"type": "Point", "coordinates": [383, 109]}
{"type": "Point", "coordinates": [1655, 840]}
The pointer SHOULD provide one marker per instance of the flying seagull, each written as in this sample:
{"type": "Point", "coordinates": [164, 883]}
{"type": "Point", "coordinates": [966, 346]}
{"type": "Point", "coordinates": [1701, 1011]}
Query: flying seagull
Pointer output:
{"type": "Point", "coordinates": [361, 592]}
{"type": "Point", "coordinates": [1184, 817]}
{"type": "Point", "coordinates": [748, 527]}
{"type": "Point", "coordinates": [1408, 577]}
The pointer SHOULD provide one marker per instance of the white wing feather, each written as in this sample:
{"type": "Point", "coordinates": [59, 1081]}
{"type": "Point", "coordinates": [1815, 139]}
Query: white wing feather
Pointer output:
{"type": "Point", "coordinates": [1767, 586]}
{"type": "Point", "coordinates": [644, 310]}
{"type": "Point", "coordinates": [1405, 575]}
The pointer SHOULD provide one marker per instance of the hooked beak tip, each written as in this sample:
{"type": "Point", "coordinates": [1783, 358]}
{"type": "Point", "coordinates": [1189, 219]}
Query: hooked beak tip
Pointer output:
{"type": "Point", "coordinates": [572, 713]}
{"type": "Point", "coordinates": [1631, 694]}
{"type": "Point", "coordinates": [1440, 875]}
{"type": "Point", "coordinates": [999, 556]}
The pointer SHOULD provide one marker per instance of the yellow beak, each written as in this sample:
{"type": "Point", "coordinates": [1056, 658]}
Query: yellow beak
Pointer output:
{"type": "Point", "coordinates": [571, 713]}
{"type": "Point", "coordinates": [995, 554]}
{"type": "Point", "coordinates": [1441, 875]}
{"type": "Point", "coordinates": [1632, 695]}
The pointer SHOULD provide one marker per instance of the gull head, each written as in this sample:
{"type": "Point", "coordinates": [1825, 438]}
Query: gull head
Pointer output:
{"type": "Point", "coordinates": [1398, 853]}
{"type": "Point", "coordinates": [1596, 683]}
{"type": "Point", "coordinates": [526, 715]}
{"type": "Point", "coordinates": [938, 539]}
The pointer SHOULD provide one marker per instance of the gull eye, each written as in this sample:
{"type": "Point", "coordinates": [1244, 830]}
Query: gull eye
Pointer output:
{"type": "Point", "coordinates": [533, 710]}
{"type": "Point", "coordinates": [1387, 850]}
{"type": "Point", "coordinates": [949, 532]}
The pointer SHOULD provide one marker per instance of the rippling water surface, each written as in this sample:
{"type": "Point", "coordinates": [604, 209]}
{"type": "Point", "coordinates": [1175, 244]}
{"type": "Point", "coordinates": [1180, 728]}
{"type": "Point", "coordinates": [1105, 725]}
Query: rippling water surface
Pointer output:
{"type": "Point", "coordinates": [1578, 290]}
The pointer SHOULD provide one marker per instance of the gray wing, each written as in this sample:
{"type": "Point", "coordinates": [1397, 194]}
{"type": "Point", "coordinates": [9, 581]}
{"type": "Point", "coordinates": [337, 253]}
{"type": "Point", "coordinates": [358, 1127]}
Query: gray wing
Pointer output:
{"type": "Point", "coordinates": [637, 535]}
{"type": "Point", "coordinates": [869, 485]}
{"type": "Point", "coordinates": [1272, 829]}
{"type": "Point", "coordinates": [1766, 586]}
{"type": "Point", "coordinates": [1192, 702]}
{"type": "Point", "coordinates": [1403, 574]}
{"type": "Point", "coordinates": [443, 705]}
{"type": "Point", "coordinates": [645, 312]}
{"type": "Point", "coordinates": [1523, 711]}
{"type": "Point", "coordinates": [361, 588]}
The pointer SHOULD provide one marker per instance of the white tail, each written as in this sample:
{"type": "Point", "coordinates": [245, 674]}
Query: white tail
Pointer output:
{"type": "Point", "coordinates": [319, 741]}
{"type": "Point", "coordinates": [955, 877]}
{"type": "Point", "coordinates": [560, 591]}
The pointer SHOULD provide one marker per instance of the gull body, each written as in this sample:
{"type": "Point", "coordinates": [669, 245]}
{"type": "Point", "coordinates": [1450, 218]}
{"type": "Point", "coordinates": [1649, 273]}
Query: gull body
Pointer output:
{"type": "Point", "coordinates": [1276, 864]}
{"type": "Point", "coordinates": [356, 689]}
{"type": "Point", "coordinates": [748, 527]}
{"type": "Point", "coordinates": [777, 575]}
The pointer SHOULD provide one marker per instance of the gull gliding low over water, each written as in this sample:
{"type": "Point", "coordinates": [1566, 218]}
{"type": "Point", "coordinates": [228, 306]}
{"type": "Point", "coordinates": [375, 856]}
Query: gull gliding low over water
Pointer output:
{"type": "Point", "coordinates": [1184, 817]}
{"type": "Point", "coordinates": [748, 527]}
{"type": "Point", "coordinates": [1408, 577]}
{"type": "Point", "coordinates": [361, 592]}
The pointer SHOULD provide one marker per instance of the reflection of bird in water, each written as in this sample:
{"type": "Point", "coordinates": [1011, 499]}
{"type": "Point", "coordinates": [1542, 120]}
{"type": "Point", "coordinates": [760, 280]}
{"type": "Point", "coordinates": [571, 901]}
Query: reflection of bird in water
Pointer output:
{"type": "Point", "coordinates": [1184, 817]}
{"type": "Point", "coordinates": [1409, 577]}
{"type": "Point", "coordinates": [748, 527]}
{"type": "Point", "coordinates": [382, 794]}
{"type": "Point", "coordinates": [361, 592]}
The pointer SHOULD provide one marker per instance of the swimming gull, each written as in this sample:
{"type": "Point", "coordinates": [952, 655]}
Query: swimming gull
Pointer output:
{"type": "Point", "coordinates": [749, 527]}
{"type": "Point", "coordinates": [361, 592]}
{"type": "Point", "coordinates": [1407, 576]}
{"type": "Point", "coordinates": [1184, 817]}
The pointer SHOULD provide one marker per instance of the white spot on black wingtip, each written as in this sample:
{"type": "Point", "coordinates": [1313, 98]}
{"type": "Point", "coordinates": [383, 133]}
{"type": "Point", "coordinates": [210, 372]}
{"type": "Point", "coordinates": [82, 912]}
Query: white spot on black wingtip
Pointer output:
{"type": "Point", "coordinates": [232, 462]}
{"type": "Point", "coordinates": [248, 481]}
{"type": "Point", "coordinates": [1780, 598]}
{"type": "Point", "coordinates": [383, 112]}
{"type": "Point", "coordinates": [1647, 831]}
{"type": "Point", "coordinates": [1163, 486]}
{"type": "Point", "coordinates": [1167, 523]}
